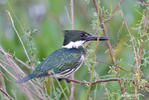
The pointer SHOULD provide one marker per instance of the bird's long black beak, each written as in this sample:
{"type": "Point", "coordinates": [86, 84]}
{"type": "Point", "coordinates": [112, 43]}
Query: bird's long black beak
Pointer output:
{"type": "Point", "coordinates": [93, 37]}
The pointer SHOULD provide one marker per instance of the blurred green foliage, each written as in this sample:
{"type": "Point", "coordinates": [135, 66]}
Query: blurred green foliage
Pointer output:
{"type": "Point", "coordinates": [40, 24]}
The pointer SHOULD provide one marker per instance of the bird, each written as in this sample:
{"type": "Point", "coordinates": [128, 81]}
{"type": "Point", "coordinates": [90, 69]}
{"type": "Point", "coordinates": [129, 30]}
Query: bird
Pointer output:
{"type": "Point", "coordinates": [66, 60]}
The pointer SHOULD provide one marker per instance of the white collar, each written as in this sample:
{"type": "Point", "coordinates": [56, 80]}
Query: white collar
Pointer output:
{"type": "Point", "coordinates": [72, 44]}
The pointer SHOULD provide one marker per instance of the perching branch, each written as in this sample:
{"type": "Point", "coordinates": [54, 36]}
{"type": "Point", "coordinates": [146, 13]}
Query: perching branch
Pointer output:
{"type": "Point", "coordinates": [92, 83]}
{"type": "Point", "coordinates": [145, 85]}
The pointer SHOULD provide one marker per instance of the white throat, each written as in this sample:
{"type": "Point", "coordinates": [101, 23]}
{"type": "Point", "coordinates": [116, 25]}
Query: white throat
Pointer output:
{"type": "Point", "coordinates": [73, 44]}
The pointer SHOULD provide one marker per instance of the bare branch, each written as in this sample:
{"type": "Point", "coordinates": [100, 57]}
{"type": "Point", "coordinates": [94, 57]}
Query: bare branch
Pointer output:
{"type": "Point", "coordinates": [93, 83]}
{"type": "Point", "coordinates": [113, 11]}
{"type": "Point", "coordinates": [15, 58]}
{"type": "Point", "coordinates": [72, 25]}
{"type": "Point", "coordinates": [146, 85]}
{"type": "Point", "coordinates": [108, 44]}
{"type": "Point", "coordinates": [6, 94]}
{"type": "Point", "coordinates": [13, 25]}
{"type": "Point", "coordinates": [8, 72]}
{"type": "Point", "coordinates": [144, 31]}
{"type": "Point", "coordinates": [141, 45]}
{"type": "Point", "coordinates": [18, 73]}
{"type": "Point", "coordinates": [131, 38]}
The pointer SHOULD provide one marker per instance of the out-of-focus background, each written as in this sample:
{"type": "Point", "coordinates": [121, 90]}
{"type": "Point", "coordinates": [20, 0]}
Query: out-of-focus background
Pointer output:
{"type": "Point", "coordinates": [39, 24]}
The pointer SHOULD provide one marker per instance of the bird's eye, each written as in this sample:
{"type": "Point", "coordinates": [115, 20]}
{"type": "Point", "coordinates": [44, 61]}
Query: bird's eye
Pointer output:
{"type": "Point", "coordinates": [84, 35]}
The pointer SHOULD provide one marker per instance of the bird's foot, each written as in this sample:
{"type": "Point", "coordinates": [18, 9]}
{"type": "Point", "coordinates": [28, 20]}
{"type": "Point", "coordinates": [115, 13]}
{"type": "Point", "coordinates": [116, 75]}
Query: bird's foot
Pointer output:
{"type": "Point", "coordinates": [59, 79]}
{"type": "Point", "coordinates": [67, 80]}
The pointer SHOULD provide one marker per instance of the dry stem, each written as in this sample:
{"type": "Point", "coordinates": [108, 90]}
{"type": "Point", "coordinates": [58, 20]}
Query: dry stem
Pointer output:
{"type": "Point", "coordinates": [113, 11]}
{"type": "Point", "coordinates": [13, 25]}
{"type": "Point", "coordinates": [109, 45]}
{"type": "Point", "coordinates": [72, 25]}
{"type": "Point", "coordinates": [6, 94]}
{"type": "Point", "coordinates": [144, 31]}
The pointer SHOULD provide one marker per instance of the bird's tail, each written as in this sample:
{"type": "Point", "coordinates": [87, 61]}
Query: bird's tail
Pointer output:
{"type": "Point", "coordinates": [26, 78]}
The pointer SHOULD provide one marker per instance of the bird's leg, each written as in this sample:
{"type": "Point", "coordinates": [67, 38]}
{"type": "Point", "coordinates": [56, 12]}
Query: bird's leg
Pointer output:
{"type": "Point", "coordinates": [59, 79]}
{"type": "Point", "coordinates": [66, 79]}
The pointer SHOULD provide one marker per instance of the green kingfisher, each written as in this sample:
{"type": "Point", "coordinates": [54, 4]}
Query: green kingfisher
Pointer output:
{"type": "Point", "coordinates": [65, 60]}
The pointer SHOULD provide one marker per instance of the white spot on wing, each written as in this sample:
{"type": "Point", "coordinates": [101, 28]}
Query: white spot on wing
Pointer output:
{"type": "Point", "coordinates": [74, 44]}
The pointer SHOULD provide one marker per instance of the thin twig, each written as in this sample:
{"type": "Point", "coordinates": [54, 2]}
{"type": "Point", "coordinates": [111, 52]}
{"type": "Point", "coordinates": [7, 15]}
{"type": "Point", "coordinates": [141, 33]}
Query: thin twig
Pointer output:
{"type": "Point", "coordinates": [21, 62]}
{"type": "Point", "coordinates": [13, 25]}
{"type": "Point", "coordinates": [146, 85]}
{"type": "Point", "coordinates": [5, 76]}
{"type": "Point", "coordinates": [144, 31]}
{"type": "Point", "coordinates": [118, 36]}
{"type": "Point", "coordinates": [131, 38]}
{"type": "Point", "coordinates": [90, 83]}
{"type": "Point", "coordinates": [92, 69]}
{"type": "Point", "coordinates": [72, 14]}
{"type": "Point", "coordinates": [3, 86]}
{"type": "Point", "coordinates": [6, 94]}
{"type": "Point", "coordinates": [135, 57]}
{"type": "Point", "coordinates": [109, 45]}
{"type": "Point", "coordinates": [72, 25]}
{"type": "Point", "coordinates": [11, 63]}
{"type": "Point", "coordinates": [105, 33]}
{"type": "Point", "coordinates": [18, 73]}
{"type": "Point", "coordinates": [8, 72]}
{"type": "Point", "coordinates": [114, 65]}
{"type": "Point", "coordinates": [62, 89]}
{"type": "Point", "coordinates": [113, 11]}
{"type": "Point", "coordinates": [67, 13]}
{"type": "Point", "coordinates": [93, 83]}
{"type": "Point", "coordinates": [15, 58]}
{"type": "Point", "coordinates": [141, 45]}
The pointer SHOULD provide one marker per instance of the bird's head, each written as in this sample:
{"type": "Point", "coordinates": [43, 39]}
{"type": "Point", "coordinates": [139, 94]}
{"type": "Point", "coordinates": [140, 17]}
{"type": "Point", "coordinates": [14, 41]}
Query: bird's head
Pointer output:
{"type": "Point", "coordinates": [76, 38]}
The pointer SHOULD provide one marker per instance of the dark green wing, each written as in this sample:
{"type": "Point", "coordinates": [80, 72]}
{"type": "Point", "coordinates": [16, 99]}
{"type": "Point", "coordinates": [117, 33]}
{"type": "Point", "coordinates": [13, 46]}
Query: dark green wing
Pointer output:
{"type": "Point", "coordinates": [61, 62]}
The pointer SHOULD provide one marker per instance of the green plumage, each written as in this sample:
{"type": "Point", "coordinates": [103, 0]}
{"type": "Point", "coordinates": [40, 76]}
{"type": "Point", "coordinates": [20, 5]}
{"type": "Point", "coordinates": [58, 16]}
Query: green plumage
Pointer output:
{"type": "Point", "coordinates": [59, 63]}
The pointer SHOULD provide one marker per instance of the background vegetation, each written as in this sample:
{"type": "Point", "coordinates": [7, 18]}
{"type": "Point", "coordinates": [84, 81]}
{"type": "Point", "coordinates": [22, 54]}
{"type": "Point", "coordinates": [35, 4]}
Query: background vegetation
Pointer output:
{"type": "Point", "coordinates": [32, 29]}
